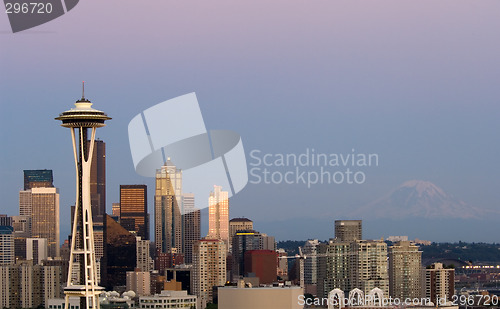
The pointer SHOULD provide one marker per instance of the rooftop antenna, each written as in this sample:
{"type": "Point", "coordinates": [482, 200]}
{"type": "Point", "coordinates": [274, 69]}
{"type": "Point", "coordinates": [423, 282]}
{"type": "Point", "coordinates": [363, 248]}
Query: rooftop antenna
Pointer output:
{"type": "Point", "coordinates": [83, 90]}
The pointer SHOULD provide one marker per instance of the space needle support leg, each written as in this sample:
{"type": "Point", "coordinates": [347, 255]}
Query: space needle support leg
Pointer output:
{"type": "Point", "coordinates": [75, 218]}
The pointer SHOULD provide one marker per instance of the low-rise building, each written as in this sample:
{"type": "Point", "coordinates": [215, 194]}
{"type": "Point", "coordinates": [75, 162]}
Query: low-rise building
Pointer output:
{"type": "Point", "coordinates": [168, 299]}
{"type": "Point", "coordinates": [231, 297]}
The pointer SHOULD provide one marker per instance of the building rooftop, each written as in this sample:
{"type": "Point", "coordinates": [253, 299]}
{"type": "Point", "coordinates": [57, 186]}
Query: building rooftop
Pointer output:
{"type": "Point", "coordinates": [240, 220]}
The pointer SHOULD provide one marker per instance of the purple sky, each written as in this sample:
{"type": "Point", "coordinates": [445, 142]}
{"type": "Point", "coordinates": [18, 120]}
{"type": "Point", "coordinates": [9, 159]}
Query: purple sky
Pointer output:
{"type": "Point", "coordinates": [414, 81]}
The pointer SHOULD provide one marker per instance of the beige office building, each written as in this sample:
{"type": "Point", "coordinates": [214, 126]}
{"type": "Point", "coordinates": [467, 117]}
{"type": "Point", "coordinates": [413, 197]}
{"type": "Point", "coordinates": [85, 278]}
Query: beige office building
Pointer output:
{"type": "Point", "coordinates": [368, 266]}
{"type": "Point", "coordinates": [334, 263]}
{"type": "Point", "coordinates": [439, 283]}
{"type": "Point", "coordinates": [143, 257]}
{"type": "Point", "coordinates": [139, 282]}
{"type": "Point", "coordinates": [209, 267]}
{"type": "Point", "coordinates": [405, 262]}
{"type": "Point", "coordinates": [262, 298]}
{"type": "Point", "coordinates": [348, 230]}
{"type": "Point", "coordinates": [42, 206]}
{"type": "Point", "coordinates": [218, 215]}
{"type": "Point", "coordinates": [168, 202]}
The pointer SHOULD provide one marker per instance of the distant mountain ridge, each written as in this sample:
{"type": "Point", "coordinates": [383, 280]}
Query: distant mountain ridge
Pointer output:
{"type": "Point", "coordinates": [420, 199]}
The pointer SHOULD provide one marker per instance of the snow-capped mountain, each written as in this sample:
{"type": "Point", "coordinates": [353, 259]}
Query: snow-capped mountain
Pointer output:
{"type": "Point", "coordinates": [423, 199]}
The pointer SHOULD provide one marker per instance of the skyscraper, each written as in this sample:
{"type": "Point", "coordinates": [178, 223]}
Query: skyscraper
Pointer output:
{"type": "Point", "coordinates": [5, 220]}
{"type": "Point", "coordinates": [244, 241]}
{"type": "Point", "coordinates": [121, 253]}
{"type": "Point", "coordinates": [168, 201]}
{"type": "Point", "coordinates": [37, 179]}
{"type": "Point", "coordinates": [333, 267]}
{"type": "Point", "coordinates": [439, 283]}
{"type": "Point", "coordinates": [368, 265]}
{"type": "Point", "coordinates": [238, 224]}
{"type": "Point", "coordinates": [22, 231]}
{"type": "Point", "coordinates": [143, 256]}
{"type": "Point", "coordinates": [39, 201]}
{"type": "Point", "coordinates": [310, 265]}
{"type": "Point", "coordinates": [82, 118]}
{"type": "Point", "coordinates": [405, 263]}
{"type": "Point", "coordinates": [134, 210]}
{"type": "Point", "coordinates": [209, 267]}
{"type": "Point", "coordinates": [6, 245]}
{"type": "Point", "coordinates": [191, 223]}
{"type": "Point", "coordinates": [218, 215]}
{"type": "Point", "coordinates": [45, 217]}
{"type": "Point", "coordinates": [98, 180]}
{"type": "Point", "coordinates": [348, 230]}
{"type": "Point", "coordinates": [25, 285]}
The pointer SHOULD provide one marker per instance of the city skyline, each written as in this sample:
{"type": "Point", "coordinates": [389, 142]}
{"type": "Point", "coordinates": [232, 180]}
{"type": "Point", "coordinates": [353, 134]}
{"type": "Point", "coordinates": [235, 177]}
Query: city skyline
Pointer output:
{"type": "Point", "coordinates": [261, 154]}
{"type": "Point", "coordinates": [332, 77]}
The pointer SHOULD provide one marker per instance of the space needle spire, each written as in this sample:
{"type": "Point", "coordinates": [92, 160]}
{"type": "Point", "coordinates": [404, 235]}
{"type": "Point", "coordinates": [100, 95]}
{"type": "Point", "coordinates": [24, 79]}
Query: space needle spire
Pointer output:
{"type": "Point", "coordinates": [82, 120]}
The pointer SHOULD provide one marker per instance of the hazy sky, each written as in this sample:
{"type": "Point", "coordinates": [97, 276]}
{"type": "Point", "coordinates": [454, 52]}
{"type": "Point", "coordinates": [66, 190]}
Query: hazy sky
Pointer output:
{"type": "Point", "coordinates": [416, 82]}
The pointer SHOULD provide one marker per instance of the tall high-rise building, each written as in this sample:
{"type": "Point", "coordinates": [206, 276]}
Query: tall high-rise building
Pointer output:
{"type": "Point", "coordinates": [191, 224]}
{"type": "Point", "coordinates": [439, 283]}
{"type": "Point", "coordinates": [25, 203]}
{"type": "Point", "coordinates": [348, 230]}
{"type": "Point", "coordinates": [168, 202]}
{"type": "Point", "coordinates": [25, 285]}
{"type": "Point", "coordinates": [45, 217]}
{"type": "Point", "coordinates": [218, 215]}
{"type": "Point", "coordinates": [405, 262]}
{"type": "Point", "coordinates": [39, 201]}
{"type": "Point", "coordinates": [9, 287]}
{"type": "Point", "coordinates": [22, 231]}
{"type": "Point", "coordinates": [82, 120]}
{"type": "Point", "coordinates": [31, 279]}
{"type": "Point", "coordinates": [349, 265]}
{"type": "Point", "coordinates": [5, 220]}
{"type": "Point", "coordinates": [368, 265]}
{"type": "Point", "coordinates": [209, 267]}
{"type": "Point", "coordinates": [25, 210]}
{"type": "Point", "coordinates": [98, 180]}
{"type": "Point", "coordinates": [333, 271]}
{"type": "Point", "coordinates": [244, 241]}
{"type": "Point", "coordinates": [52, 278]}
{"type": "Point", "coordinates": [144, 261]}
{"type": "Point", "coordinates": [7, 253]}
{"type": "Point", "coordinates": [121, 254]}
{"type": "Point", "coordinates": [98, 200]}
{"type": "Point", "coordinates": [282, 264]}
{"type": "Point", "coordinates": [38, 179]}
{"type": "Point", "coordinates": [238, 224]}
{"type": "Point", "coordinates": [311, 265]}
{"type": "Point", "coordinates": [134, 210]}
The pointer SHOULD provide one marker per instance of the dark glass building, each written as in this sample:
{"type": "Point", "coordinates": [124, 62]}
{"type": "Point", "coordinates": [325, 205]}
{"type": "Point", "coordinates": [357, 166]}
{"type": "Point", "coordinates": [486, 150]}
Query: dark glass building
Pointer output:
{"type": "Point", "coordinates": [134, 209]}
{"type": "Point", "coordinates": [38, 179]}
{"type": "Point", "coordinates": [98, 181]}
{"type": "Point", "coordinates": [244, 241]}
{"type": "Point", "coordinates": [120, 254]}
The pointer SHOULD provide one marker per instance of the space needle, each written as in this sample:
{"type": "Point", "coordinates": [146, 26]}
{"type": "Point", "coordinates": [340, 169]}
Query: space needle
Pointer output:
{"type": "Point", "coordinates": [83, 120]}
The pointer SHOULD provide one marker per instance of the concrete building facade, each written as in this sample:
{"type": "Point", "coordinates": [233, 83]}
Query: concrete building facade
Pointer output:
{"type": "Point", "coordinates": [405, 263]}
{"type": "Point", "coordinates": [209, 267]}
